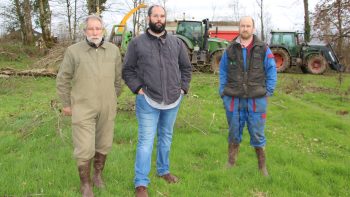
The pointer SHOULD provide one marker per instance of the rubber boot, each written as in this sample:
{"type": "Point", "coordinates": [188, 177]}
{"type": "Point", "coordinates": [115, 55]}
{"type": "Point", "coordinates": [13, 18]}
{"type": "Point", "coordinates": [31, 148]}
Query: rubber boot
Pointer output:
{"type": "Point", "coordinates": [260, 153]}
{"type": "Point", "coordinates": [99, 163]}
{"type": "Point", "coordinates": [232, 154]}
{"type": "Point", "coordinates": [85, 180]}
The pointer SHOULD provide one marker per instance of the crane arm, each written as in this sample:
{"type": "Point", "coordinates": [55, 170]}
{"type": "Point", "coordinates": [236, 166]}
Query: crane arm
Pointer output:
{"type": "Point", "coordinates": [121, 26]}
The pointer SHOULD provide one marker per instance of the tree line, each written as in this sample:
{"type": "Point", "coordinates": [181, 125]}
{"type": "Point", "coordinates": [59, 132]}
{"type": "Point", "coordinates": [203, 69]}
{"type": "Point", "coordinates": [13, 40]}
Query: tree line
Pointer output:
{"type": "Point", "coordinates": [330, 20]}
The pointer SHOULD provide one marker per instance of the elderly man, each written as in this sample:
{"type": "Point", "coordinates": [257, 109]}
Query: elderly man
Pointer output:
{"type": "Point", "coordinates": [247, 78]}
{"type": "Point", "coordinates": [88, 81]}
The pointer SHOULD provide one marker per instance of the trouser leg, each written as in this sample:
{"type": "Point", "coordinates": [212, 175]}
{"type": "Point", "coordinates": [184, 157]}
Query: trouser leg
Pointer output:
{"type": "Point", "coordinates": [165, 128]}
{"type": "Point", "coordinates": [147, 118]}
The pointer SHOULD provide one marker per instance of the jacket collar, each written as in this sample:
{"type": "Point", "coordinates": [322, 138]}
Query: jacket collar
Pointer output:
{"type": "Point", "coordinates": [256, 40]}
{"type": "Point", "coordinates": [89, 45]}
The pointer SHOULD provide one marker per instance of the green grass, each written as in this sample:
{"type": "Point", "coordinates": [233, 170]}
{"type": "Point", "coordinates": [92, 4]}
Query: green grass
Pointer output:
{"type": "Point", "coordinates": [308, 151]}
{"type": "Point", "coordinates": [17, 56]}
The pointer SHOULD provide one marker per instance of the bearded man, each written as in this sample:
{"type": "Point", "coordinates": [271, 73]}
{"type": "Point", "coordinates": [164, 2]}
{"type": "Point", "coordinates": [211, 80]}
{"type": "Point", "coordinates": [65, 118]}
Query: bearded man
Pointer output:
{"type": "Point", "coordinates": [158, 70]}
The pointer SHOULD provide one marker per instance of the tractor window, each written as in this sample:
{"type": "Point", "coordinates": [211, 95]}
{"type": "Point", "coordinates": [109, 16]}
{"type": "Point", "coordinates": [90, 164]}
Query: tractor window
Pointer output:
{"type": "Point", "coordinates": [275, 39]}
{"type": "Point", "coordinates": [288, 39]}
{"type": "Point", "coordinates": [191, 30]}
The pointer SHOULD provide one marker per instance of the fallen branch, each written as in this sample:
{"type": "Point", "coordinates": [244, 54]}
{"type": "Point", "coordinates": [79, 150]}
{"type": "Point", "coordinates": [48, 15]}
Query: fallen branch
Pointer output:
{"type": "Point", "coordinates": [33, 72]}
{"type": "Point", "coordinates": [53, 57]}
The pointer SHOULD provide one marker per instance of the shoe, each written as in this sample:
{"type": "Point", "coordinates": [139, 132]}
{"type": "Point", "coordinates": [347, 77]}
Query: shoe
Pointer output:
{"type": "Point", "coordinates": [170, 178]}
{"type": "Point", "coordinates": [141, 191]}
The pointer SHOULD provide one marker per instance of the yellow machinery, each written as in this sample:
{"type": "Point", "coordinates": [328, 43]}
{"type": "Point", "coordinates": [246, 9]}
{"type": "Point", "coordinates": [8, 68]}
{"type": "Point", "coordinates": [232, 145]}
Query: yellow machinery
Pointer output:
{"type": "Point", "coordinates": [119, 35]}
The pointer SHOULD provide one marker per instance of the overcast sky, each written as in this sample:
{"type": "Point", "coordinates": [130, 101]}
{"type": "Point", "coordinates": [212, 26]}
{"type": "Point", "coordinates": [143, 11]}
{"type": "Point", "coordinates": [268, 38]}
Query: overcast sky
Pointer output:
{"type": "Point", "coordinates": [282, 14]}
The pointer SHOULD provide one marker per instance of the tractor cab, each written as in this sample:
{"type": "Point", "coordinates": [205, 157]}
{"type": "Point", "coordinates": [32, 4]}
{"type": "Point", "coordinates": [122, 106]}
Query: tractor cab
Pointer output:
{"type": "Point", "coordinates": [202, 50]}
{"type": "Point", "coordinates": [288, 40]}
{"type": "Point", "coordinates": [192, 30]}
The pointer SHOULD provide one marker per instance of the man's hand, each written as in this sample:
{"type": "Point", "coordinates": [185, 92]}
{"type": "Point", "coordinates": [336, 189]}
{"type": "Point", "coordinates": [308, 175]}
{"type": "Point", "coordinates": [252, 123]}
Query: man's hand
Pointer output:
{"type": "Point", "coordinates": [67, 111]}
{"type": "Point", "coordinates": [141, 92]}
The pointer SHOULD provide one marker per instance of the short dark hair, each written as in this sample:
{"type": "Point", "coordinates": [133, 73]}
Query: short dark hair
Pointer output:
{"type": "Point", "coordinates": [149, 12]}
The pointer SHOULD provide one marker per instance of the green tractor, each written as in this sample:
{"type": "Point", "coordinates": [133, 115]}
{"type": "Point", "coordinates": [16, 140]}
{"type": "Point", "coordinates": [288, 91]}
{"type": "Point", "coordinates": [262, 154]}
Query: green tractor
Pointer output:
{"type": "Point", "coordinates": [121, 39]}
{"type": "Point", "coordinates": [314, 59]}
{"type": "Point", "coordinates": [204, 52]}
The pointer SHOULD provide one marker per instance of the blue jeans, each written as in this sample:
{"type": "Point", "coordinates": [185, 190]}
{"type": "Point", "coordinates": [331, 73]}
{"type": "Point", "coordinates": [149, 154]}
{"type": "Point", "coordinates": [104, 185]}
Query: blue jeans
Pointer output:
{"type": "Point", "coordinates": [251, 111]}
{"type": "Point", "coordinates": [150, 122]}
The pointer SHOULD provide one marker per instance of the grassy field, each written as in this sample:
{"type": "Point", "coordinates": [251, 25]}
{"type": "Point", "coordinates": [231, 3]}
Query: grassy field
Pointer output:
{"type": "Point", "coordinates": [308, 151]}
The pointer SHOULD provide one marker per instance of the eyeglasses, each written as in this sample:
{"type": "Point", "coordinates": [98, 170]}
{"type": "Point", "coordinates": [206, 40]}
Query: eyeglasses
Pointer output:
{"type": "Point", "coordinates": [94, 28]}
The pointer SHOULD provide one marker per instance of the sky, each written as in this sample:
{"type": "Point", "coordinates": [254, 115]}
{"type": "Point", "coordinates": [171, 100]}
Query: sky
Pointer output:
{"type": "Point", "coordinates": [281, 14]}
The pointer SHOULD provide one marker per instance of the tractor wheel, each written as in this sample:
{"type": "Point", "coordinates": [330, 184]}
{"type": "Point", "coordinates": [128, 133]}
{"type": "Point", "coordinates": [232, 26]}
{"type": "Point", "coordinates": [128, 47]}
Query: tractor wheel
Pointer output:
{"type": "Point", "coordinates": [282, 59]}
{"type": "Point", "coordinates": [215, 62]}
{"type": "Point", "coordinates": [316, 64]}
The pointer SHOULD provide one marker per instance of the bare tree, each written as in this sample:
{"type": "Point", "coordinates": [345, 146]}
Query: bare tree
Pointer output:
{"type": "Point", "coordinates": [66, 17]}
{"type": "Point", "coordinates": [69, 18]}
{"type": "Point", "coordinates": [307, 28]}
{"type": "Point", "coordinates": [75, 23]}
{"type": "Point", "coordinates": [135, 17]}
{"type": "Point", "coordinates": [71, 9]}
{"type": "Point", "coordinates": [45, 21]}
{"type": "Point", "coordinates": [27, 9]}
{"type": "Point", "coordinates": [138, 23]}
{"type": "Point", "coordinates": [261, 17]}
{"type": "Point", "coordinates": [213, 9]}
{"type": "Point", "coordinates": [235, 9]}
{"type": "Point", "coordinates": [163, 3]}
{"type": "Point", "coordinates": [96, 6]}
{"type": "Point", "coordinates": [332, 22]}
{"type": "Point", "coordinates": [23, 12]}
{"type": "Point", "coordinates": [9, 17]}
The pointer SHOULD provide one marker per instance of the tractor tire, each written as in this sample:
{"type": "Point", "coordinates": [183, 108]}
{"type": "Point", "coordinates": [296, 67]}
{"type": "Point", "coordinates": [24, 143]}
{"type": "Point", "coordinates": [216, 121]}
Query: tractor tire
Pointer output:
{"type": "Point", "coordinates": [316, 64]}
{"type": "Point", "coordinates": [282, 59]}
{"type": "Point", "coordinates": [215, 62]}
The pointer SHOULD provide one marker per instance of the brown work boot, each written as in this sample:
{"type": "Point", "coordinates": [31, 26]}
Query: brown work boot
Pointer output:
{"type": "Point", "coordinates": [170, 178]}
{"type": "Point", "coordinates": [141, 191]}
{"type": "Point", "coordinates": [260, 153]}
{"type": "Point", "coordinates": [99, 163]}
{"type": "Point", "coordinates": [85, 180]}
{"type": "Point", "coordinates": [232, 154]}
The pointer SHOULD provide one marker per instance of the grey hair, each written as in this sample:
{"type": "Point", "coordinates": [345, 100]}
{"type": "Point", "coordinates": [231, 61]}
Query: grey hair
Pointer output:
{"type": "Point", "coordinates": [93, 17]}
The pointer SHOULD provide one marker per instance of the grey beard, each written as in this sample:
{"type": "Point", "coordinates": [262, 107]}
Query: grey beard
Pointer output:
{"type": "Point", "coordinates": [96, 41]}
